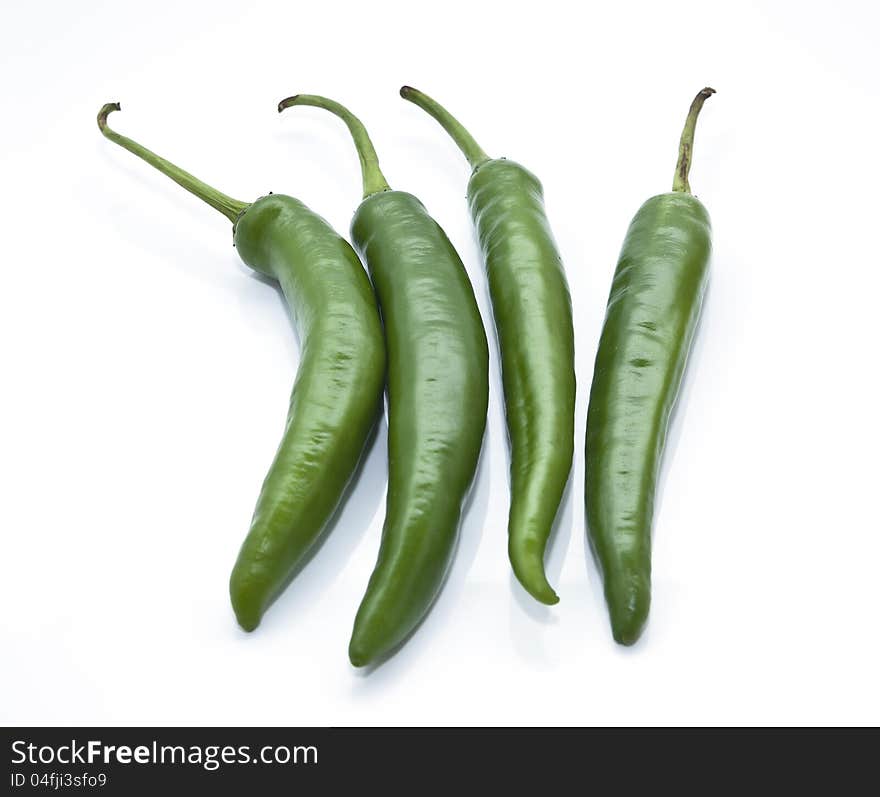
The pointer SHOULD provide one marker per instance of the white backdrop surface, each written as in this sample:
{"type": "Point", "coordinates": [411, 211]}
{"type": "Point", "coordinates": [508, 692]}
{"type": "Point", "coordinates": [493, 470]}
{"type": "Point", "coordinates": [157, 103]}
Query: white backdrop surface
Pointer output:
{"type": "Point", "coordinates": [146, 372]}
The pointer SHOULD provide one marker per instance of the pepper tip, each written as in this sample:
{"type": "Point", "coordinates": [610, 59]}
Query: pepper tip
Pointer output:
{"type": "Point", "coordinates": [357, 656]}
{"type": "Point", "coordinates": [629, 602]}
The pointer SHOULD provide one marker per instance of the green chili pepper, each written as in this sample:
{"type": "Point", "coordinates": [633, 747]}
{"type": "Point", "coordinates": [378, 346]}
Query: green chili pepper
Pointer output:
{"type": "Point", "coordinates": [339, 382]}
{"type": "Point", "coordinates": [652, 313]}
{"type": "Point", "coordinates": [532, 310]}
{"type": "Point", "coordinates": [438, 391]}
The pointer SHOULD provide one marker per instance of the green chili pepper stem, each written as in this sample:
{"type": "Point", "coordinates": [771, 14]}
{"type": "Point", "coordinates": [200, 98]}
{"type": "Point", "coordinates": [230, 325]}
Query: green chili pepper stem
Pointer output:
{"type": "Point", "coordinates": [686, 145]}
{"type": "Point", "coordinates": [374, 180]}
{"type": "Point", "coordinates": [465, 141]}
{"type": "Point", "coordinates": [229, 207]}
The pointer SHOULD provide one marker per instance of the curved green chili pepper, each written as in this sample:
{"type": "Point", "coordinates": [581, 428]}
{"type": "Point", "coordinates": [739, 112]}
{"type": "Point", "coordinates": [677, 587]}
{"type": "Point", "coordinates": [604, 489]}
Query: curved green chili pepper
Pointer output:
{"type": "Point", "coordinates": [339, 382]}
{"type": "Point", "coordinates": [652, 313]}
{"type": "Point", "coordinates": [438, 389]}
{"type": "Point", "coordinates": [532, 310]}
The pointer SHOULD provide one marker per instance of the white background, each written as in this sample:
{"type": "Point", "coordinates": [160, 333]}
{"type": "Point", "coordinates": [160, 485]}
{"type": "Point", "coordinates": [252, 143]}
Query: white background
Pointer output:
{"type": "Point", "coordinates": [146, 372]}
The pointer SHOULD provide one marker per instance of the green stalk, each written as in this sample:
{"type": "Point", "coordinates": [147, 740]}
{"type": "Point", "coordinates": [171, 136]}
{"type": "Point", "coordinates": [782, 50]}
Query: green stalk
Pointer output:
{"type": "Point", "coordinates": [686, 145]}
{"type": "Point", "coordinates": [465, 141]}
{"type": "Point", "coordinates": [374, 180]}
{"type": "Point", "coordinates": [229, 207]}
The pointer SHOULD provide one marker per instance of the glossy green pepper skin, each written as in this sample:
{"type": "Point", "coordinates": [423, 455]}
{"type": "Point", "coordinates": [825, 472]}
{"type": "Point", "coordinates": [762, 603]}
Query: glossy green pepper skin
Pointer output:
{"type": "Point", "coordinates": [438, 390]}
{"type": "Point", "coordinates": [649, 325]}
{"type": "Point", "coordinates": [338, 390]}
{"type": "Point", "coordinates": [533, 318]}
{"type": "Point", "coordinates": [335, 401]}
{"type": "Point", "coordinates": [652, 313]}
{"type": "Point", "coordinates": [532, 309]}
